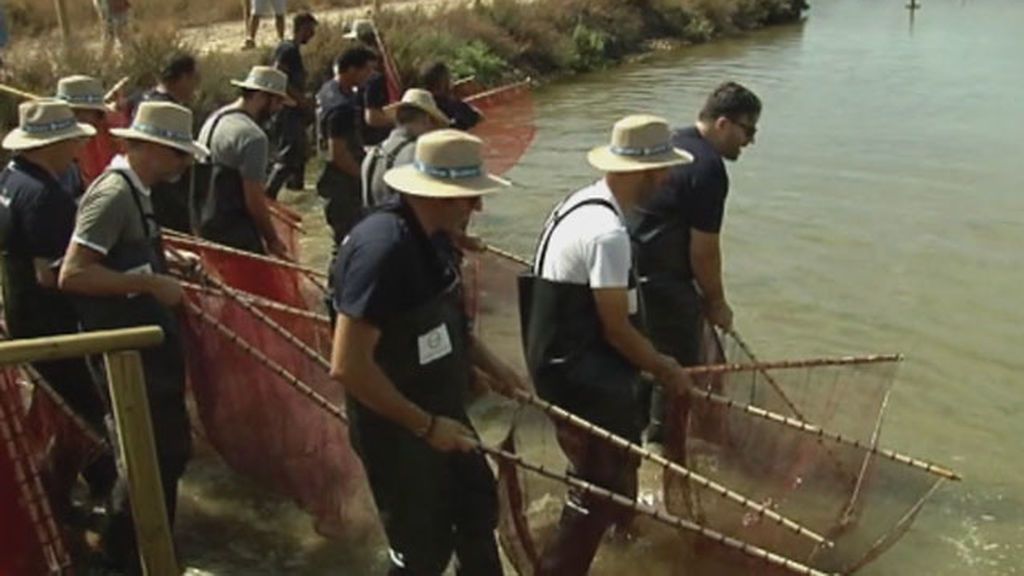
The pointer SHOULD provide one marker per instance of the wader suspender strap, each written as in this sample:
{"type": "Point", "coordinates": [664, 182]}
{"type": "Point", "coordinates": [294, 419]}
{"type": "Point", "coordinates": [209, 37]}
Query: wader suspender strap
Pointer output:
{"type": "Point", "coordinates": [557, 219]}
{"type": "Point", "coordinates": [389, 163]}
{"type": "Point", "coordinates": [148, 218]}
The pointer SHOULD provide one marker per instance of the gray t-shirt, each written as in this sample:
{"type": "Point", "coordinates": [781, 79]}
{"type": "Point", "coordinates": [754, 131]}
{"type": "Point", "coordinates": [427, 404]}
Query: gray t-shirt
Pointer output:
{"type": "Point", "coordinates": [238, 143]}
{"type": "Point", "coordinates": [107, 213]}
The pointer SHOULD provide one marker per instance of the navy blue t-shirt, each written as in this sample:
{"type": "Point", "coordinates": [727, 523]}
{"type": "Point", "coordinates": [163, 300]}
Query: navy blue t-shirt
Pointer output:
{"type": "Point", "coordinates": [387, 266]}
{"type": "Point", "coordinates": [42, 211]}
{"type": "Point", "coordinates": [288, 59]}
{"type": "Point", "coordinates": [462, 115]}
{"type": "Point", "coordinates": [695, 192]}
{"type": "Point", "coordinates": [375, 95]}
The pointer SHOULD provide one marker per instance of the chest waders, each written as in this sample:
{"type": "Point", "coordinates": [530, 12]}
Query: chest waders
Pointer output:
{"type": "Point", "coordinates": [382, 159]}
{"type": "Point", "coordinates": [163, 366]}
{"type": "Point", "coordinates": [672, 308]}
{"type": "Point", "coordinates": [342, 193]}
{"type": "Point", "coordinates": [572, 365]}
{"type": "Point", "coordinates": [223, 215]}
{"type": "Point", "coordinates": [431, 504]}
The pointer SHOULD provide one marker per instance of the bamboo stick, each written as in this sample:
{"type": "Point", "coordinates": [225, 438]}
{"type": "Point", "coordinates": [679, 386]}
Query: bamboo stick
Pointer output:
{"type": "Point", "coordinates": [802, 426]}
{"type": "Point", "coordinates": [201, 243]}
{"type": "Point", "coordinates": [17, 93]}
{"type": "Point", "coordinates": [259, 301]}
{"type": "Point", "coordinates": [273, 366]}
{"type": "Point", "coordinates": [116, 88]}
{"type": "Point", "coordinates": [792, 364]}
{"type": "Point", "coordinates": [508, 255]}
{"type": "Point", "coordinates": [267, 320]}
{"type": "Point", "coordinates": [669, 466]}
{"type": "Point", "coordinates": [654, 513]}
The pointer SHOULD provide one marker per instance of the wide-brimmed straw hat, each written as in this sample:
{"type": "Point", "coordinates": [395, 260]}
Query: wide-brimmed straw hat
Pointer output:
{"type": "Point", "coordinates": [44, 122]}
{"type": "Point", "coordinates": [266, 79]}
{"type": "Point", "coordinates": [81, 92]}
{"type": "Point", "coordinates": [422, 100]}
{"type": "Point", "coordinates": [448, 164]}
{"type": "Point", "coordinates": [166, 124]}
{"type": "Point", "coordinates": [639, 142]}
{"type": "Point", "coordinates": [361, 28]}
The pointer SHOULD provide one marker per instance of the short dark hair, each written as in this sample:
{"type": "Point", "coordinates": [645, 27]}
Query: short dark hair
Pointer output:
{"type": "Point", "coordinates": [409, 114]}
{"type": "Point", "coordinates": [432, 73]}
{"type": "Point", "coordinates": [180, 64]}
{"type": "Point", "coordinates": [731, 100]}
{"type": "Point", "coordinates": [303, 19]}
{"type": "Point", "coordinates": [355, 57]}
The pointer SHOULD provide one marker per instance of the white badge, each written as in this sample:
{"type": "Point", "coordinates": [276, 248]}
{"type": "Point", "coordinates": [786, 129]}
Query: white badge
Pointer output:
{"type": "Point", "coordinates": [434, 344]}
{"type": "Point", "coordinates": [633, 307]}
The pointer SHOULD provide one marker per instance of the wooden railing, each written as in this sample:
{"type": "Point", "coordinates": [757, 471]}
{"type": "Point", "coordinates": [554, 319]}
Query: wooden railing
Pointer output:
{"type": "Point", "coordinates": [130, 405]}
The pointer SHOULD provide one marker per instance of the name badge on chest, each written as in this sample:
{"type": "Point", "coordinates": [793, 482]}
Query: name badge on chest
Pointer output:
{"type": "Point", "coordinates": [434, 344]}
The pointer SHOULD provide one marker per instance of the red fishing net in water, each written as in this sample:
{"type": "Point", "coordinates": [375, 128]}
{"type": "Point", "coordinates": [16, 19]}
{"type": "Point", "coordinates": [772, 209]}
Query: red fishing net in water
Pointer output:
{"type": "Point", "coordinates": [255, 418]}
{"type": "Point", "coordinates": [30, 542]}
{"type": "Point", "coordinates": [846, 492]}
{"type": "Point", "coordinates": [508, 127]}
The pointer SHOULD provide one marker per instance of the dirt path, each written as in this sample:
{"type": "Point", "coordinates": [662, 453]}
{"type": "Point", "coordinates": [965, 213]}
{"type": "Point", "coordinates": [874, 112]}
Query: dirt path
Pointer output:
{"type": "Point", "coordinates": [230, 36]}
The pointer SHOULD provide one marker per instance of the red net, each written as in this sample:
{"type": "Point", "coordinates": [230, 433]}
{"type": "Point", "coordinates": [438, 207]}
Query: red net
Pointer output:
{"type": "Point", "coordinates": [30, 543]}
{"type": "Point", "coordinates": [861, 501]}
{"type": "Point", "coordinates": [508, 128]}
{"type": "Point", "coordinates": [258, 422]}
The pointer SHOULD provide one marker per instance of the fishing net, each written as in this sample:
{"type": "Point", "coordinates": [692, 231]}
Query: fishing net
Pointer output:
{"type": "Point", "coordinates": [288, 225]}
{"type": "Point", "coordinates": [508, 127]}
{"type": "Point", "coordinates": [861, 500]}
{"type": "Point", "coordinates": [259, 276]}
{"type": "Point", "coordinates": [256, 419]}
{"type": "Point", "coordinates": [30, 542]}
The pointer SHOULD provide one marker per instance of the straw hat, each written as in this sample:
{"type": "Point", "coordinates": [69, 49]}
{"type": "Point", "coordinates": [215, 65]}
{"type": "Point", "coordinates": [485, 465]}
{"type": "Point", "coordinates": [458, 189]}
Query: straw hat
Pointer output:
{"type": "Point", "coordinates": [266, 79]}
{"type": "Point", "coordinates": [448, 164]}
{"type": "Point", "coordinates": [639, 142]}
{"type": "Point", "coordinates": [361, 28]}
{"type": "Point", "coordinates": [81, 92]}
{"type": "Point", "coordinates": [422, 100]}
{"type": "Point", "coordinates": [44, 122]}
{"type": "Point", "coordinates": [166, 124]}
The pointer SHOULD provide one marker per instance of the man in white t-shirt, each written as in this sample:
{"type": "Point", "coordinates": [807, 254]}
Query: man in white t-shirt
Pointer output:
{"type": "Point", "coordinates": [582, 348]}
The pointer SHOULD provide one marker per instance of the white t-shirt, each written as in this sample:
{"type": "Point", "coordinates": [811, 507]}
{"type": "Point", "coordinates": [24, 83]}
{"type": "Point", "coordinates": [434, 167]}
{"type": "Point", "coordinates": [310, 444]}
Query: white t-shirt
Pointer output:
{"type": "Point", "coordinates": [590, 246]}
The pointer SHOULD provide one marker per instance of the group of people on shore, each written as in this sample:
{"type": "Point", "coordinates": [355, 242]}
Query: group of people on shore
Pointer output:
{"type": "Point", "coordinates": [624, 272]}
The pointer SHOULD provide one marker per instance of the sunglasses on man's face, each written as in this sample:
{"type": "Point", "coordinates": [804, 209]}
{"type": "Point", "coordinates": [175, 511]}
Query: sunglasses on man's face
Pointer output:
{"type": "Point", "coordinates": [749, 129]}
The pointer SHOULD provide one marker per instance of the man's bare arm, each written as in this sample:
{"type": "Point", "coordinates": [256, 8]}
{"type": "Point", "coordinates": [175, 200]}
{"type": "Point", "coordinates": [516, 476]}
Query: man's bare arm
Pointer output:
{"type": "Point", "coordinates": [83, 273]}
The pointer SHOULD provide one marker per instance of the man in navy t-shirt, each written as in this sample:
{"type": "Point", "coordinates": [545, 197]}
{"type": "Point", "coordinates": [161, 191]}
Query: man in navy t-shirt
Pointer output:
{"type": "Point", "coordinates": [676, 232]}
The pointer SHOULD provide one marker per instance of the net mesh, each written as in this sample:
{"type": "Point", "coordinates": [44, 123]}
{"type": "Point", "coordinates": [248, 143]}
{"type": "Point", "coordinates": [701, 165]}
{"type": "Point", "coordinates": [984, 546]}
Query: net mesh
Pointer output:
{"type": "Point", "coordinates": [30, 543]}
{"type": "Point", "coordinates": [256, 420]}
{"type": "Point", "coordinates": [861, 501]}
{"type": "Point", "coordinates": [508, 128]}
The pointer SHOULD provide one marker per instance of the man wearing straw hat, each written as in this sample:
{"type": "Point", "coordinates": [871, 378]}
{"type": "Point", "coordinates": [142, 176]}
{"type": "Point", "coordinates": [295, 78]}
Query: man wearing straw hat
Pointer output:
{"type": "Point", "coordinates": [234, 210]}
{"type": "Point", "coordinates": [116, 271]}
{"type": "Point", "coordinates": [40, 217]}
{"type": "Point", "coordinates": [85, 94]}
{"type": "Point", "coordinates": [582, 348]}
{"type": "Point", "coordinates": [676, 233]}
{"type": "Point", "coordinates": [415, 115]}
{"type": "Point", "coordinates": [403, 351]}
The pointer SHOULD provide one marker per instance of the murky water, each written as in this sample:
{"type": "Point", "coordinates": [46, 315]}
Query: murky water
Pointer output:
{"type": "Point", "coordinates": [880, 210]}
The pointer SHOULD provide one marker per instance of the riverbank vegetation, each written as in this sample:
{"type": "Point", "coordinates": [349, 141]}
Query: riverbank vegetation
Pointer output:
{"type": "Point", "coordinates": [496, 41]}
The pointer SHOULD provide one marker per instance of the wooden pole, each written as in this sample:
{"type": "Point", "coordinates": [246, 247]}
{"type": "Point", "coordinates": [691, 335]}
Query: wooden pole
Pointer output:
{"type": "Point", "coordinates": [82, 344]}
{"type": "Point", "coordinates": [670, 467]}
{"type": "Point", "coordinates": [130, 406]}
{"type": "Point", "coordinates": [313, 274]}
{"type": "Point", "coordinates": [824, 434]}
{"type": "Point", "coordinates": [656, 514]}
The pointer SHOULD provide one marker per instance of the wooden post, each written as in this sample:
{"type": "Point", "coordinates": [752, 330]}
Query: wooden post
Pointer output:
{"type": "Point", "coordinates": [62, 21]}
{"type": "Point", "coordinates": [138, 455]}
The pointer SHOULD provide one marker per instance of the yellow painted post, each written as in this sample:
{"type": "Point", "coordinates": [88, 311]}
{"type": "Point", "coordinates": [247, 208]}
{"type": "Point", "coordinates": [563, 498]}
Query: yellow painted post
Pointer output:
{"type": "Point", "coordinates": [138, 454]}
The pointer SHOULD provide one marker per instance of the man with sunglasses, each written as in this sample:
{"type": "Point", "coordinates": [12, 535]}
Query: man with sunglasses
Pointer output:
{"type": "Point", "coordinates": [676, 234]}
